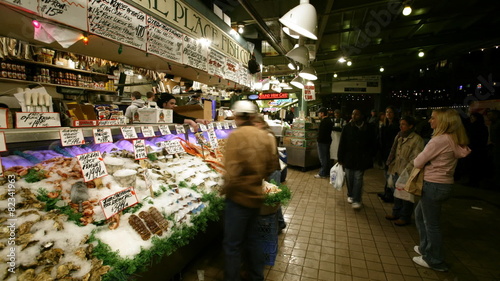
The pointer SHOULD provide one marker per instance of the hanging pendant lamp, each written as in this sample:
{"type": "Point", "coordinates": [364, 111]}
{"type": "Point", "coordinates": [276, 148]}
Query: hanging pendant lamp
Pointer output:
{"type": "Point", "coordinates": [299, 54]}
{"type": "Point", "coordinates": [298, 82]}
{"type": "Point", "coordinates": [308, 73]}
{"type": "Point", "coordinates": [302, 19]}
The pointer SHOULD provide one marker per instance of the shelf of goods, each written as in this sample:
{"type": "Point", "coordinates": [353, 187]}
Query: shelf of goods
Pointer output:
{"type": "Point", "coordinates": [300, 143]}
{"type": "Point", "coordinates": [60, 228]}
{"type": "Point", "coordinates": [47, 74]}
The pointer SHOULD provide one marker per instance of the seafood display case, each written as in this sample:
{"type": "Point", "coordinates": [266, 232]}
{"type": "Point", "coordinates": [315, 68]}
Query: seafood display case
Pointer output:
{"type": "Point", "coordinates": [70, 218]}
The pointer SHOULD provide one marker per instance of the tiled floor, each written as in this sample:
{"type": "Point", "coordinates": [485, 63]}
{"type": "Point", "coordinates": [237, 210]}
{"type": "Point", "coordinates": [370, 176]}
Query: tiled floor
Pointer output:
{"type": "Point", "coordinates": [327, 240]}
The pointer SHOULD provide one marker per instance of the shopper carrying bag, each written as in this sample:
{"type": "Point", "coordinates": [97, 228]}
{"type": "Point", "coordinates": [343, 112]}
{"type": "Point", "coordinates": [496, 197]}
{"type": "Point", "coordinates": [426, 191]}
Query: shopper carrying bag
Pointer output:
{"type": "Point", "coordinates": [337, 176]}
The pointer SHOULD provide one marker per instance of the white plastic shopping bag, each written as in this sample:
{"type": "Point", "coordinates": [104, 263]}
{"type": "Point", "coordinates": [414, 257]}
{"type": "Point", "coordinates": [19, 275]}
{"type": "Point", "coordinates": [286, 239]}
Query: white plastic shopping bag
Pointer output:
{"type": "Point", "coordinates": [399, 190]}
{"type": "Point", "coordinates": [337, 176]}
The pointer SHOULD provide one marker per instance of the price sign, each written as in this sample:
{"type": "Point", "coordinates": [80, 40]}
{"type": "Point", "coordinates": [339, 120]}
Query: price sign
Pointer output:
{"type": "Point", "coordinates": [140, 149]}
{"type": "Point", "coordinates": [180, 129]}
{"type": "Point", "coordinates": [26, 120]}
{"type": "Point", "coordinates": [148, 131]}
{"type": "Point", "coordinates": [3, 145]}
{"type": "Point", "coordinates": [102, 135]}
{"type": "Point", "coordinates": [1, 168]}
{"type": "Point", "coordinates": [164, 130]}
{"type": "Point", "coordinates": [128, 132]}
{"type": "Point", "coordinates": [210, 126]}
{"type": "Point", "coordinates": [118, 202]}
{"type": "Point", "coordinates": [233, 124]}
{"type": "Point", "coordinates": [71, 137]}
{"type": "Point", "coordinates": [172, 147]}
{"type": "Point", "coordinates": [218, 125]}
{"type": "Point", "coordinates": [92, 165]}
{"type": "Point", "coordinates": [226, 126]}
{"type": "Point", "coordinates": [203, 128]}
{"type": "Point", "coordinates": [212, 139]}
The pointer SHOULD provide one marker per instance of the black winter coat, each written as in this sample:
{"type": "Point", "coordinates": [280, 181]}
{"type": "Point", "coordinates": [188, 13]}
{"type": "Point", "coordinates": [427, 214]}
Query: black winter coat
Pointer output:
{"type": "Point", "coordinates": [357, 146]}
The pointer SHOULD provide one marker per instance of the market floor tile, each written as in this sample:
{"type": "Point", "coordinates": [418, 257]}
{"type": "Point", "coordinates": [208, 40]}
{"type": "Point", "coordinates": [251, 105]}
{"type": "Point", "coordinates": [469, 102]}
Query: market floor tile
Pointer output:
{"type": "Point", "coordinates": [325, 239]}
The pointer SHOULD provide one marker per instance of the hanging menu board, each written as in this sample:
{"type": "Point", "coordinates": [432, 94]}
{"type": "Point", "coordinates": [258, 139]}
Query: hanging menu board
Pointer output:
{"type": "Point", "coordinates": [31, 5]}
{"type": "Point", "coordinates": [231, 70]}
{"type": "Point", "coordinates": [194, 53]}
{"type": "Point", "coordinates": [70, 12]}
{"type": "Point", "coordinates": [243, 76]}
{"type": "Point", "coordinates": [164, 41]}
{"type": "Point", "coordinates": [118, 21]}
{"type": "Point", "coordinates": [216, 63]}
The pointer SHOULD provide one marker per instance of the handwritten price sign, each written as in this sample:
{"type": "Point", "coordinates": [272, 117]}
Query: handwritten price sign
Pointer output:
{"type": "Point", "coordinates": [172, 147]}
{"type": "Point", "coordinates": [71, 137]}
{"type": "Point", "coordinates": [212, 139]}
{"type": "Point", "coordinates": [148, 131]}
{"type": "Point", "coordinates": [92, 165]}
{"type": "Point", "coordinates": [180, 129]}
{"type": "Point", "coordinates": [164, 130]}
{"type": "Point", "coordinates": [140, 149]}
{"type": "Point", "coordinates": [118, 202]}
{"type": "Point", "coordinates": [102, 135]}
{"type": "Point", "coordinates": [128, 132]}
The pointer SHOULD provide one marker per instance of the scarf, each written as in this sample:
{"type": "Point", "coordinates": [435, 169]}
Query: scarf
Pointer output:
{"type": "Point", "coordinates": [394, 147]}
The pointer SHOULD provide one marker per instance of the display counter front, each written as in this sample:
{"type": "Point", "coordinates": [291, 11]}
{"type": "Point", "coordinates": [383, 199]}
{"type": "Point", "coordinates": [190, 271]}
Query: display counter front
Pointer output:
{"type": "Point", "coordinates": [104, 210]}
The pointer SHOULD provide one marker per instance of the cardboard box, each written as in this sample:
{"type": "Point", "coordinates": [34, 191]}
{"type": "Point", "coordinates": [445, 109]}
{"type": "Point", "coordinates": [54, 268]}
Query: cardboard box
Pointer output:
{"type": "Point", "coordinates": [194, 111]}
{"type": "Point", "coordinates": [153, 116]}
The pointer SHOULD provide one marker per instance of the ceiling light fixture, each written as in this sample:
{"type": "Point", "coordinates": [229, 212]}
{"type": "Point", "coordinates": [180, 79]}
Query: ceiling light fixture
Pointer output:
{"type": "Point", "coordinates": [290, 33]}
{"type": "Point", "coordinates": [308, 73]}
{"type": "Point", "coordinates": [302, 19]}
{"type": "Point", "coordinates": [349, 63]}
{"type": "Point", "coordinates": [291, 66]}
{"type": "Point", "coordinates": [335, 75]}
{"type": "Point", "coordinates": [299, 54]}
{"type": "Point", "coordinates": [283, 84]}
{"type": "Point", "coordinates": [342, 60]}
{"type": "Point", "coordinates": [298, 82]}
{"type": "Point", "coordinates": [421, 54]}
{"type": "Point", "coordinates": [241, 28]}
{"type": "Point", "coordinates": [381, 69]}
{"type": "Point", "coordinates": [407, 10]}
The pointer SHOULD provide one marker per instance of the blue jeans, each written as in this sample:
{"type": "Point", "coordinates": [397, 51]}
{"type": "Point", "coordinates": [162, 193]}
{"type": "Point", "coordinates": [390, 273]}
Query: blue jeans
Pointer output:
{"type": "Point", "coordinates": [354, 180]}
{"type": "Point", "coordinates": [427, 219]}
{"type": "Point", "coordinates": [402, 209]}
{"type": "Point", "coordinates": [241, 237]}
{"type": "Point", "coordinates": [324, 159]}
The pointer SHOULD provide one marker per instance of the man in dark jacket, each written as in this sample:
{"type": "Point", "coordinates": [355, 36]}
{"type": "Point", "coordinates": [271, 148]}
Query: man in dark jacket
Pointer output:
{"type": "Point", "coordinates": [356, 147]}
{"type": "Point", "coordinates": [324, 142]}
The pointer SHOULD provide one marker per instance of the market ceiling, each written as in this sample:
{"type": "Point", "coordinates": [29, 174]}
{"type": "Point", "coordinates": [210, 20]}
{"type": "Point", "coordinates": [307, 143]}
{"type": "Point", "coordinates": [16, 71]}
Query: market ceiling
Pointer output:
{"type": "Point", "coordinates": [370, 35]}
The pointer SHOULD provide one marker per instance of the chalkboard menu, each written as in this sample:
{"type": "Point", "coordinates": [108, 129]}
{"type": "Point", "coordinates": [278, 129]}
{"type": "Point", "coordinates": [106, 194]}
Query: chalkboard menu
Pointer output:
{"type": "Point", "coordinates": [216, 63]}
{"type": "Point", "coordinates": [231, 70]}
{"type": "Point", "coordinates": [72, 12]}
{"type": "Point", "coordinates": [194, 53]}
{"type": "Point", "coordinates": [164, 41]}
{"type": "Point", "coordinates": [118, 21]}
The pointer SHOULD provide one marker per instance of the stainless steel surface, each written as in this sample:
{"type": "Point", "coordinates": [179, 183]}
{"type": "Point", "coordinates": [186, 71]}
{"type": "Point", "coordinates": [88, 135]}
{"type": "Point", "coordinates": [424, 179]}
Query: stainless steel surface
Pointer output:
{"type": "Point", "coordinates": [302, 156]}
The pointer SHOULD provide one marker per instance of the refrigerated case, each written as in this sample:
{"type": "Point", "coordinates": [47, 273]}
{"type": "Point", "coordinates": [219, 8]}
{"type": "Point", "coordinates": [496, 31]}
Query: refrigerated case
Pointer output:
{"type": "Point", "coordinates": [301, 145]}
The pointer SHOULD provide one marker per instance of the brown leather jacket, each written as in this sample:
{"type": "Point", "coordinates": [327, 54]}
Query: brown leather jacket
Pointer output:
{"type": "Point", "coordinates": [248, 160]}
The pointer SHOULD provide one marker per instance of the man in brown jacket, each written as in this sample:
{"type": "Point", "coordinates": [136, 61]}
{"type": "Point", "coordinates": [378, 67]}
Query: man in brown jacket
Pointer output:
{"type": "Point", "coordinates": [248, 161]}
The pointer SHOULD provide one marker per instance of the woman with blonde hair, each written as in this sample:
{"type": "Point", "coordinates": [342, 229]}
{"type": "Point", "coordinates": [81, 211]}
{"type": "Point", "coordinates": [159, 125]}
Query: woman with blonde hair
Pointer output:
{"type": "Point", "coordinates": [438, 161]}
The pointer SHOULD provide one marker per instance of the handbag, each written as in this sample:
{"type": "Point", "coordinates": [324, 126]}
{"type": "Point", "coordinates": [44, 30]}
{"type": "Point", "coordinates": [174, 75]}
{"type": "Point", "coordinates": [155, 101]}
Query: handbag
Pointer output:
{"type": "Point", "coordinates": [415, 182]}
{"type": "Point", "coordinates": [337, 176]}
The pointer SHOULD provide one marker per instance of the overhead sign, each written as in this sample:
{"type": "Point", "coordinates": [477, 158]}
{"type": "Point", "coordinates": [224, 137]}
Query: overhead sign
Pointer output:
{"type": "Point", "coordinates": [273, 96]}
{"type": "Point", "coordinates": [357, 85]}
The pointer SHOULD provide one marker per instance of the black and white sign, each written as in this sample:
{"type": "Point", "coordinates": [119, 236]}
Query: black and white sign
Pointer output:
{"type": "Point", "coordinates": [212, 139]}
{"type": "Point", "coordinates": [102, 135]}
{"type": "Point", "coordinates": [25, 120]}
{"type": "Point", "coordinates": [180, 129]}
{"type": "Point", "coordinates": [195, 53]}
{"type": "Point", "coordinates": [148, 131]}
{"type": "Point", "coordinates": [164, 130]}
{"type": "Point", "coordinates": [70, 12]}
{"type": "Point", "coordinates": [216, 63]}
{"type": "Point", "coordinates": [118, 21]}
{"type": "Point", "coordinates": [172, 146]}
{"type": "Point", "coordinates": [140, 151]}
{"type": "Point", "coordinates": [164, 40]}
{"type": "Point", "coordinates": [128, 132]}
{"type": "Point", "coordinates": [92, 165]}
{"type": "Point", "coordinates": [118, 202]}
{"type": "Point", "coordinates": [71, 137]}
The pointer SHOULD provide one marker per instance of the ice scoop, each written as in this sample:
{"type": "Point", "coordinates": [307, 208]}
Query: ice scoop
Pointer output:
{"type": "Point", "coordinates": [79, 193]}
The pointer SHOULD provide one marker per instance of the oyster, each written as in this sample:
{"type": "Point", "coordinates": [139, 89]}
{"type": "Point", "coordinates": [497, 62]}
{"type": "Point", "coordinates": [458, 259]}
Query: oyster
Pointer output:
{"type": "Point", "coordinates": [50, 257]}
{"type": "Point", "coordinates": [64, 270]}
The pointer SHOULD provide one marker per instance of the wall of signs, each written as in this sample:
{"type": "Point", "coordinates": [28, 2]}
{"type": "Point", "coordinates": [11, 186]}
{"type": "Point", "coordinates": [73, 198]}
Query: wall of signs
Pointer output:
{"type": "Point", "coordinates": [121, 22]}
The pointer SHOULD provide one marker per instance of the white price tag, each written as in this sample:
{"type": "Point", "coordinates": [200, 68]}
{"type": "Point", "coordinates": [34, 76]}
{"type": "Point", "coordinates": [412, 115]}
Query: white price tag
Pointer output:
{"type": "Point", "coordinates": [140, 149]}
{"type": "Point", "coordinates": [180, 129]}
{"type": "Point", "coordinates": [212, 139]}
{"type": "Point", "coordinates": [210, 126]}
{"type": "Point", "coordinates": [102, 135]}
{"type": "Point", "coordinates": [71, 137]}
{"type": "Point", "coordinates": [164, 130]}
{"type": "Point", "coordinates": [218, 125]}
{"type": "Point", "coordinates": [148, 131]}
{"type": "Point", "coordinates": [128, 132]}
{"type": "Point", "coordinates": [172, 146]}
{"type": "Point", "coordinates": [118, 202]}
{"type": "Point", "coordinates": [203, 128]}
{"type": "Point", "coordinates": [226, 126]}
{"type": "Point", "coordinates": [3, 145]}
{"type": "Point", "coordinates": [92, 165]}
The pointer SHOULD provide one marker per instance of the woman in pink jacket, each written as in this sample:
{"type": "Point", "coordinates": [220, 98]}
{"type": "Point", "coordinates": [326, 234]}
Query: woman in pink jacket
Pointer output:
{"type": "Point", "coordinates": [438, 161]}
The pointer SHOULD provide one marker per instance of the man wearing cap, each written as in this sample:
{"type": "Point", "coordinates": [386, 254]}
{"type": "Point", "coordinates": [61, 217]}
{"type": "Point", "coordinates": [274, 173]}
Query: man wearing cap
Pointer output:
{"type": "Point", "coordinates": [248, 160]}
{"type": "Point", "coordinates": [324, 142]}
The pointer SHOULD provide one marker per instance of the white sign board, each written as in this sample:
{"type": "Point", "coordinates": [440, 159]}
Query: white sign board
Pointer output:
{"type": "Point", "coordinates": [172, 147]}
{"type": "Point", "coordinates": [71, 137]}
{"type": "Point", "coordinates": [118, 202]}
{"type": "Point", "coordinates": [70, 12]}
{"type": "Point", "coordinates": [180, 129]}
{"type": "Point", "coordinates": [25, 120]}
{"type": "Point", "coordinates": [3, 145]}
{"type": "Point", "coordinates": [140, 151]}
{"type": "Point", "coordinates": [129, 132]}
{"type": "Point", "coordinates": [92, 165]}
{"type": "Point", "coordinates": [212, 139]}
{"type": "Point", "coordinates": [164, 130]}
{"type": "Point", "coordinates": [3, 118]}
{"type": "Point", "coordinates": [148, 131]}
{"type": "Point", "coordinates": [102, 135]}
{"type": "Point", "coordinates": [164, 41]}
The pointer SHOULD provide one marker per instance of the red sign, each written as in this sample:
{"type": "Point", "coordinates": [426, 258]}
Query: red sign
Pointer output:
{"type": "Point", "coordinates": [273, 96]}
